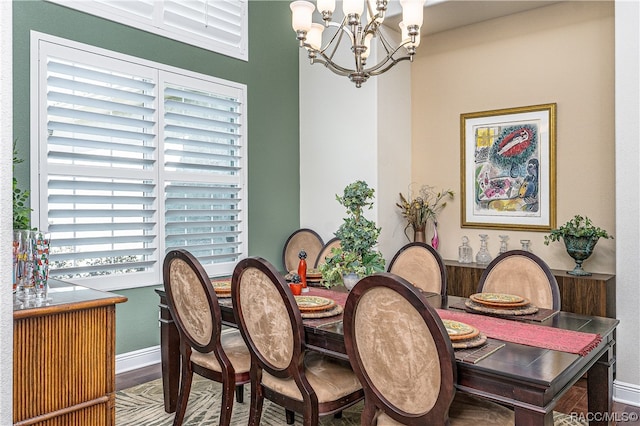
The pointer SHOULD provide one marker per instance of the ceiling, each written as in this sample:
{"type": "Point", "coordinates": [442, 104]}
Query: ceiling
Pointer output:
{"type": "Point", "coordinates": [442, 15]}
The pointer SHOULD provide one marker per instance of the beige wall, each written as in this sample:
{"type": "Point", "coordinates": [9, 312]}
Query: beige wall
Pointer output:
{"type": "Point", "coordinates": [563, 54]}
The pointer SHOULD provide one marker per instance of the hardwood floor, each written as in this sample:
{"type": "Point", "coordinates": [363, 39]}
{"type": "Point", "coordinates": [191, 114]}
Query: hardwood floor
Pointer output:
{"type": "Point", "coordinates": [574, 401]}
{"type": "Point", "coordinates": [137, 377]}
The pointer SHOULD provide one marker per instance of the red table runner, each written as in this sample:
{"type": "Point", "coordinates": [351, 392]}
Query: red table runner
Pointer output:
{"type": "Point", "coordinates": [575, 342]}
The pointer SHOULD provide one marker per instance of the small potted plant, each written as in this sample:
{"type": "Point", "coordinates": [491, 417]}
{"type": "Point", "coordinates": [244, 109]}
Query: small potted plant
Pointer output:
{"type": "Point", "coordinates": [356, 256]}
{"type": "Point", "coordinates": [580, 237]}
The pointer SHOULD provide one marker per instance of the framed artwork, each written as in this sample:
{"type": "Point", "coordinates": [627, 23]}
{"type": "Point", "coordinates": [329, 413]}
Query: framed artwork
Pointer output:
{"type": "Point", "coordinates": [508, 168]}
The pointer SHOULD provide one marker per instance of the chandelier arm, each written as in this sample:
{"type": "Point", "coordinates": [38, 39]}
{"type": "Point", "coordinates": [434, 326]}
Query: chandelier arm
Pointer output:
{"type": "Point", "coordinates": [379, 16]}
{"type": "Point", "coordinates": [388, 58]}
{"type": "Point", "coordinates": [328, 63]}
{"type": "Point", "coordinates": [375, 71]}
{"type": "Point", "coordinates": [340, 30]}
{"type": "Point", "coordinates": [387, 45]}
{"type": "Point", "coordinates": [360, 39]}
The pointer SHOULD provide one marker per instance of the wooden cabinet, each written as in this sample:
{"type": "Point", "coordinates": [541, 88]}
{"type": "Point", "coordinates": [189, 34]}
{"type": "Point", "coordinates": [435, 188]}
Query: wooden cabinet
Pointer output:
{"type": "Point", "coordinates": [64, 359]}
{"type": "Point", "coordinates": [587, 295]}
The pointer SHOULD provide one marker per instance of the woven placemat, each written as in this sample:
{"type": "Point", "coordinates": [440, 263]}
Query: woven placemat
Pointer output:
{"type": "Point", "coordinates": [523, 310]}
{"type": "Point", "coordinates": [474, 342]}
{"type": "Point", "coordinates": [336, 310]}
{"type": "Point", "coordinates": [540, 315]}
{"type": "Point", "coordinates": [474, 355]}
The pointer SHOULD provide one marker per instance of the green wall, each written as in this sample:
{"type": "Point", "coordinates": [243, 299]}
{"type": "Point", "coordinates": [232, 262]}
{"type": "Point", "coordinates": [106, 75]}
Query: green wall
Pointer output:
{"type": "Point", "coordinates": [271, 76]}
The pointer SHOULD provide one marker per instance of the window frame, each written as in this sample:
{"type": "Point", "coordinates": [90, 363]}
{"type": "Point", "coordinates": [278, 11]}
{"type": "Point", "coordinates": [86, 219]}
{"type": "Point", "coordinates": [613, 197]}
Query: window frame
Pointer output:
{"type": "Point", "coordinates": [39, 170]}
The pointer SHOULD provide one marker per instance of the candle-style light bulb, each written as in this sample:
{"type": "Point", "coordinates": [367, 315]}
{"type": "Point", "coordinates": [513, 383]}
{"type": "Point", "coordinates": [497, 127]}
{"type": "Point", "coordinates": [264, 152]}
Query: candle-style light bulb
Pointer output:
{"type": "Point", "coordinates": [412, 12]}
{"type": "Point", "coordinates": [301, 12]}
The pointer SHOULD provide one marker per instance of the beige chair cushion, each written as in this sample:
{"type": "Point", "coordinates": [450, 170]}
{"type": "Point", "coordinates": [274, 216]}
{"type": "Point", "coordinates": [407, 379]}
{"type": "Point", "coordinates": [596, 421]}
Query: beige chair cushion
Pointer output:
{"type": "Point", "coordinates": [522, 276]}
{"type": "Point", "coordinates": [326, 252]}
{"type": "Point", "coordinates": [418, 266]}
{"type": "Point", "coordinates": [236, 350]}
{"type": "Point", "coordinates": [190, 302]}
{"type": "Point", "coordinates": [468, 410]}
{"type": "Point", "coordinates": [407, 371]}
{"type": "Point", "coordinates": [303, 240]}
{"type": "Point", "coordinates": [330, 379]}
{"type": "Point", "coordinates": [266, 318]}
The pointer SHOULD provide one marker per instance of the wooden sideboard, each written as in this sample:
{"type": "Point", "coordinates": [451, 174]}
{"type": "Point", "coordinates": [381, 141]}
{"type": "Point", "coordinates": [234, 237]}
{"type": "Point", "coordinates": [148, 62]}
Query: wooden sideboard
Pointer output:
{"type": "Point", "coordinates": [64, 358]}
{"type": "Point", "coordinates": [588, 295]}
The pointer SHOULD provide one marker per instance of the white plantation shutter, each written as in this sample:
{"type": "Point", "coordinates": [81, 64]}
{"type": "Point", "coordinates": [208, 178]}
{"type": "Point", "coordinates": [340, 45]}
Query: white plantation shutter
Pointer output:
{"type": "Point", "coordinates": [220, 21]}
{"type": "Point", "coordinates": [203, 171]}
{"type": "Point", "coordinates": [217, 25]}
{"type": "Point", "coordinates": [133, 162]}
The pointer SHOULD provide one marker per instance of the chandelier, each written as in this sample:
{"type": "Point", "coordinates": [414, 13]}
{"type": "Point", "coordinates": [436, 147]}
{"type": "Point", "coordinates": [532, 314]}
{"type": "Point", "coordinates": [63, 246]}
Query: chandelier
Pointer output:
{"type": "Point", "coordinates": [359, 32]}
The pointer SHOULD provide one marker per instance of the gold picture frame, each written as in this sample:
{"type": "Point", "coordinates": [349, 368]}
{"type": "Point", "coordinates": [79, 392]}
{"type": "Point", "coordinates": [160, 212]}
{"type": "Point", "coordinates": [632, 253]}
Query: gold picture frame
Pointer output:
{"type": "Point", "coordinates": [508, 168]}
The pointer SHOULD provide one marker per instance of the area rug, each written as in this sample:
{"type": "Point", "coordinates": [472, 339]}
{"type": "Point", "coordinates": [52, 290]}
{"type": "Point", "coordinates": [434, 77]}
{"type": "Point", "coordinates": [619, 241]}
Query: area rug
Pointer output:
{"type": "Point", "coordinates": [142, 405]}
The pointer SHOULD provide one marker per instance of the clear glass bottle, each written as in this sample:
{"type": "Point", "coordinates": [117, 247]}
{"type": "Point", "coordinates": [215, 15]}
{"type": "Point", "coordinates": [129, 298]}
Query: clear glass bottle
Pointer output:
{"type": "Point", "coordinates": [465, 253]}
{"type": "Point", "coordinates": [503, 243]}
{"type": "Point", "coordinates": [483, 257]}
{"type": "Point", "coordinates": [525, 245]}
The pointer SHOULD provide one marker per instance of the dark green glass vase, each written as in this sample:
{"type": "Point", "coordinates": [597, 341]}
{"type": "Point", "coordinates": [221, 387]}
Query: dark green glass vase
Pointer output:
{"type": "Point", "coordinates": [579, 248]}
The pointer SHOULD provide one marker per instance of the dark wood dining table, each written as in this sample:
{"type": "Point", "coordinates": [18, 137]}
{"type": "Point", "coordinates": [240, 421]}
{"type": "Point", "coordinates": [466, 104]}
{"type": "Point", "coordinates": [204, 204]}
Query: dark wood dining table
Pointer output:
{"type": "Point", "coordinates": [529, 379]}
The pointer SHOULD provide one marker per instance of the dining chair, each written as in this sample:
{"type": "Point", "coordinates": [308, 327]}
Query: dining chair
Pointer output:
{"type": "Point", "coordinates": [282, 370]}
{"type": "Point", "coordinates": [524, 274]}
{"type": "Point", "coordinates": [303, 238]}
{"type": "Point", "coordinates": [399, 349]}
{"type": "Point", "coordinates": [204, 349]}
{"type": "Point", "coordinates": [422, 266]}
{"type": "Point", "coordinates": [326, 251]}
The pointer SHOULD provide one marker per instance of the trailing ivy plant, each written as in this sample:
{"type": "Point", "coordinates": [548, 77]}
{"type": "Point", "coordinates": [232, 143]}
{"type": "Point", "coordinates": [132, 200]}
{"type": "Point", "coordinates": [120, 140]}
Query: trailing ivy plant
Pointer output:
{"type": "Point", "coordinates": [21, 211]}
{"type": "Point", "coordinates": [358, 237]}
{"type": "Point", "coordinates": [577, 227]}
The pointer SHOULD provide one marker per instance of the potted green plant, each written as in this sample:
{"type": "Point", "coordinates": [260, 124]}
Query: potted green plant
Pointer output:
{"type": "Point", "coordinates": [358, 237]}
{"type": "Point", "coordinates": [580, 237]}
{"type": "Point", "coordinates": [21, 211]}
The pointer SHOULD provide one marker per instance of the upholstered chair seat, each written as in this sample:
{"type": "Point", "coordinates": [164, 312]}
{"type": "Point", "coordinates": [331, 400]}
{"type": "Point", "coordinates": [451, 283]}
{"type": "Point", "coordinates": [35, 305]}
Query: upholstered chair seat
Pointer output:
{"type": "Point", "coordinates": [524, 274]}
{"type": "Point", "coordinates": [329, 378]}
{"type": "Point", "coordinates": [282, 370]}
{"type": "Point", "coordinates": [236, 351]}
{"type": "Point", "coordinates": [422, 266]}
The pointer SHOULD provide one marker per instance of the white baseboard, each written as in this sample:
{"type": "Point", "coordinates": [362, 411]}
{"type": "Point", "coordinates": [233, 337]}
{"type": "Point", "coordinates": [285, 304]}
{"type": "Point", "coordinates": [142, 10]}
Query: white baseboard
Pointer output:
{"type": "Point", "coordinates": [626, 393]}
{"type": "Point", "coordinates": [137, 359]}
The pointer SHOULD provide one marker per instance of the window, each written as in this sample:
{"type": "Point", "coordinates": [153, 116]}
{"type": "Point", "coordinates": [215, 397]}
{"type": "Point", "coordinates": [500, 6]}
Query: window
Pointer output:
{"type": "Point", "coordinates": [217, 25]}
{"type": "Point", "coordinates": [134, 159]}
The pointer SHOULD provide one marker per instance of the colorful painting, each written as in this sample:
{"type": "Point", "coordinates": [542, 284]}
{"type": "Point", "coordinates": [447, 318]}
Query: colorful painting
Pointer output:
{"type": "Point", "coordinates": [508, 168]}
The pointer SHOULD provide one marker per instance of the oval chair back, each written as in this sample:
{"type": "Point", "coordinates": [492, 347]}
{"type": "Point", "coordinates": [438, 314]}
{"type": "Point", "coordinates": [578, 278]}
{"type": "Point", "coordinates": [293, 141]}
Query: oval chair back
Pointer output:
{"type": "Point", "coordinates": [271, 324]}
{"type": "Point", "coordinates": [400, 350]}
{"type": "Point", "coordinates": [524, 274]}
{"type": "Point", "coordinates": [303, 238]}
{"type": "Point", "coordinates": [326, 251]}
{"type": "Point", "coordinates": [195, 311]}
{"type": "Point", "coordinates": [422, 266]}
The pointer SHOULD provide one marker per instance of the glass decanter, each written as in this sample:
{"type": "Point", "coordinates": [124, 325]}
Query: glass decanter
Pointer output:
{"type": "Point", "coordinates": [525, 245]}
{"type": "Point", "coordinates": [503, 243]}
{"type": "Point", "coordinates": [465, 253]}
{"type": "Point", "coordinates": [483, 257]}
